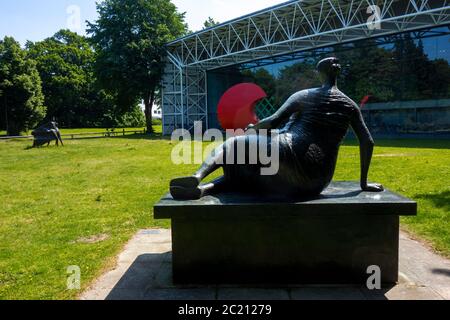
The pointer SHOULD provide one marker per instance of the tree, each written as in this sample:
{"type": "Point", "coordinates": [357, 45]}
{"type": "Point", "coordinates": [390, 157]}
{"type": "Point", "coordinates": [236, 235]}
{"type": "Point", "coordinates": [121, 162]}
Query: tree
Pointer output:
{"type": "Point", "coordinates": [65, 64]}
{"type": "Point", "coordinates": [21, 95]}
{"type": "Point", "coordinates": [210, 23]}
{"type": "Point", "coordinates": [440, 79]}
{"type": "Point", "coordinates": [296, 77]}
{"type": "Point", "coordinates": [414, 68]}
{"type": "Point", "coordinates": [366, 68]}
{"type": "Point", "coordinates": [129, 37]}
{"type": "Point", "coordinates": [264, 79]}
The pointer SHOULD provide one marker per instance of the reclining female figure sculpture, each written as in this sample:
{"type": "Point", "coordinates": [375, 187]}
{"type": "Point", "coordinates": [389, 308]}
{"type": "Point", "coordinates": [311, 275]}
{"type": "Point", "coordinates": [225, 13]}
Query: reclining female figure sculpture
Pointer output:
{"type": "Point", "coordinates": [46, 134]}
{"type": "Point", "coordinates": [318, 120]}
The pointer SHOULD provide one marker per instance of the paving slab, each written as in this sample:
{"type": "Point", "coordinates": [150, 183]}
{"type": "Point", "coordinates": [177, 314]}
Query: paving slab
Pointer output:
{"type": "Point", "coordinates": [252, 294]}
{"type": "Point", "coordinates": [144, 272]}
{"type": "Point", "coordinates": [181, 294]}
{"type": "Point", "coordinates": [425, 268]}
{"type": "Point", "coordinates": [331, 293]}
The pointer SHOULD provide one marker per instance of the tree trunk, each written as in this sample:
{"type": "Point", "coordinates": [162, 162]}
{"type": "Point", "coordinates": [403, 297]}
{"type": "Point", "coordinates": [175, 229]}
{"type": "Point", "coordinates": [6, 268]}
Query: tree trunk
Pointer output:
{"type": "Point", "coordinates": [13, 129]}
{"type": "Point", "coordinates": [148, 101]}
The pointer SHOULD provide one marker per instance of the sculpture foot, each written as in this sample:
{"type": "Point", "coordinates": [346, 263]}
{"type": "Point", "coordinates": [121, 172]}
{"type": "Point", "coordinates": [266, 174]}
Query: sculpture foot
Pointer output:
{"type": "Point", "coordinates": [180, 193]}
{"type": "Point", "coordinates": [186, 188]}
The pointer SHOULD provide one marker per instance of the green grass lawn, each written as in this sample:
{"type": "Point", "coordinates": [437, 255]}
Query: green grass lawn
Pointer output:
{"type": "Point", "coordinates": [80, 204]}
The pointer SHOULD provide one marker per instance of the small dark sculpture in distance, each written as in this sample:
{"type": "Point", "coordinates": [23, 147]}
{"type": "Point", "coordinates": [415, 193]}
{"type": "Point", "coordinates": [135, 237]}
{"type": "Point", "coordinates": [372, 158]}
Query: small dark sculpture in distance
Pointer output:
{"type": "Point", "coordinates": [312, 125]}
{"type": "Point", "coordinates": [46, 134]}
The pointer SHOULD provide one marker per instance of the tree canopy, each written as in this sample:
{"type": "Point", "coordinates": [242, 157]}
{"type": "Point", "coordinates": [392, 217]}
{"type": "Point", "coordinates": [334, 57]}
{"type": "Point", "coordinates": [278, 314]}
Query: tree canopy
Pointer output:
{"type": "Point", "coordinates": [102, 80]}
{"type": "Point", "coordinates": [21, 98]}
{"type": "Point", "coordinates": [129, 37]}
{"type": "Point", "coordinates": [210, 22]}
{"type": "Point", "coordinates": [66, 65]}
{"type": "Point", "coordinates": [395, 72]}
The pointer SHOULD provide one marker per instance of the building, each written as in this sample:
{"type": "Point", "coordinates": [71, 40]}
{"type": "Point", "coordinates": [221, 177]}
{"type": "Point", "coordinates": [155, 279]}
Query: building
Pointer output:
{"type": "Point", "coordinates": [395, 53]}
{"type": "Point", "coordinates": [156, 112]}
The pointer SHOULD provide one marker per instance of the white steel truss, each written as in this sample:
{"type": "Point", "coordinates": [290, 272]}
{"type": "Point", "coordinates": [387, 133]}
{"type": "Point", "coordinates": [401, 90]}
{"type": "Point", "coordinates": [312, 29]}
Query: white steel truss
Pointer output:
{"type": "Point", "coordinates": [195, 93]}
{"type": "Point", "coordinates": [172, 98]}
{"type": "Point", "coordinates": [291, 27]}
{"type": "Point", "coordinates": [184, 97]}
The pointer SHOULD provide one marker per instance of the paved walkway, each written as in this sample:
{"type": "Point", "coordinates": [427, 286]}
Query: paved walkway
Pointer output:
{"type": "Point", "coordinates": [144, 272]}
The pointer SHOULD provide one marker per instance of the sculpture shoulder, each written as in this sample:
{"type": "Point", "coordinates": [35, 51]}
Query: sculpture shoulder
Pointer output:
{"type": "Point", "coordinates": [303, 95]}
{"type": "Point", "coordinates": [349, 101]}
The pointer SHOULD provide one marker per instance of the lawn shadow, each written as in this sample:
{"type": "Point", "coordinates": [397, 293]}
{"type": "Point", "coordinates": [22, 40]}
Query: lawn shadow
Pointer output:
{"type": "Point", "coordinates": [440, 200]}
{"type": "Point", "coordinates": [42, 147]}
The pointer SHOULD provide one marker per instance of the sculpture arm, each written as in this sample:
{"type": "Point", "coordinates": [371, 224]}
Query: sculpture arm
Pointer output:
{"type": "Point", "coordinates": [291, 106]}
{"type": "Point", "coordinates": [366, 150]}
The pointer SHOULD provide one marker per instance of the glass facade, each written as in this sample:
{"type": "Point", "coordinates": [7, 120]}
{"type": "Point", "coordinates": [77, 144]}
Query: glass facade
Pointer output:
{"type": "Point", "coordinates": [402, 82]}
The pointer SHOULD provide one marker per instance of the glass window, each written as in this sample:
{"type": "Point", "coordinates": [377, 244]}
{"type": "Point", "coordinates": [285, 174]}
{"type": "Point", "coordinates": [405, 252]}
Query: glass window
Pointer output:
{"type": "Point", "coordinates": [402, 81]}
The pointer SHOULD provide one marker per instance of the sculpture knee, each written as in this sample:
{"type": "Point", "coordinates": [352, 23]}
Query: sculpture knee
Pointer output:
{"type": "Point", "coordinates": [235, 150]}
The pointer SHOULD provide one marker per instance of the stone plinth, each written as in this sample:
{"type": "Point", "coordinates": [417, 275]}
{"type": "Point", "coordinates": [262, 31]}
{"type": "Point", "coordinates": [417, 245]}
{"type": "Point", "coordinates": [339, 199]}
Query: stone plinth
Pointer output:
{"type": "Point", "coordinates": [244, 239]}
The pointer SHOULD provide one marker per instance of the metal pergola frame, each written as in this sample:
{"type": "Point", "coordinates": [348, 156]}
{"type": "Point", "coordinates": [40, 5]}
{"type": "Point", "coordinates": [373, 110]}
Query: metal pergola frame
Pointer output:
{"type": "Point", "coordinates": [285, 29]}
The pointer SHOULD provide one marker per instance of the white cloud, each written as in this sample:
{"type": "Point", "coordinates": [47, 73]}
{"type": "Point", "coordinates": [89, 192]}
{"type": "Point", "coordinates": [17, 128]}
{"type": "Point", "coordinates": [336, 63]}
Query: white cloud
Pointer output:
{"type": "Point", "coordinates": [197, 11]}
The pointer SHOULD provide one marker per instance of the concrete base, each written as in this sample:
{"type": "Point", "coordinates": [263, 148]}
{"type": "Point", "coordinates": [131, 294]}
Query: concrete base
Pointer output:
{"type": "Point", "coordinates": [303, 250]}
{"type": "Point", "coordinates": [144, 272]}
{"type": "Point", "coordinates": [239, 239]}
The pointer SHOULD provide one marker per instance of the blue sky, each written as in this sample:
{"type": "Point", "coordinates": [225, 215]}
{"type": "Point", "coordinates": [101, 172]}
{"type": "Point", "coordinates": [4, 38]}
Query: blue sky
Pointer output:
{"type": "Point", "coordinates": [38, 19]}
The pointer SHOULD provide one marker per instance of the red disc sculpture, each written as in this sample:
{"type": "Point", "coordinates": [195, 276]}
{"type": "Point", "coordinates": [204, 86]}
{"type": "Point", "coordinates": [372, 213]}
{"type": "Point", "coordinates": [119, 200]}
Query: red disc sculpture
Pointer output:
{"type": "Point", "coordinates": [236, 108]}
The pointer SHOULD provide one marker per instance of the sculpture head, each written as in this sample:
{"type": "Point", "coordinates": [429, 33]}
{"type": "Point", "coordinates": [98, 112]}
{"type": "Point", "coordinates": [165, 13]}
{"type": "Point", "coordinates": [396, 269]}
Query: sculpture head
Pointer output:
{"type": "Point", "coordinates": [329, 69]}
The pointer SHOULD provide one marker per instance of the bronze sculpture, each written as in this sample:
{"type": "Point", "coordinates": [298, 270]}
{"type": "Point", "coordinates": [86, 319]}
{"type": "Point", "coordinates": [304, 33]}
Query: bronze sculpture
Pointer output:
{"type": "Point", "coordinates": [46, 134]}
{"type": "Point", "coordinates": [317, 121]}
